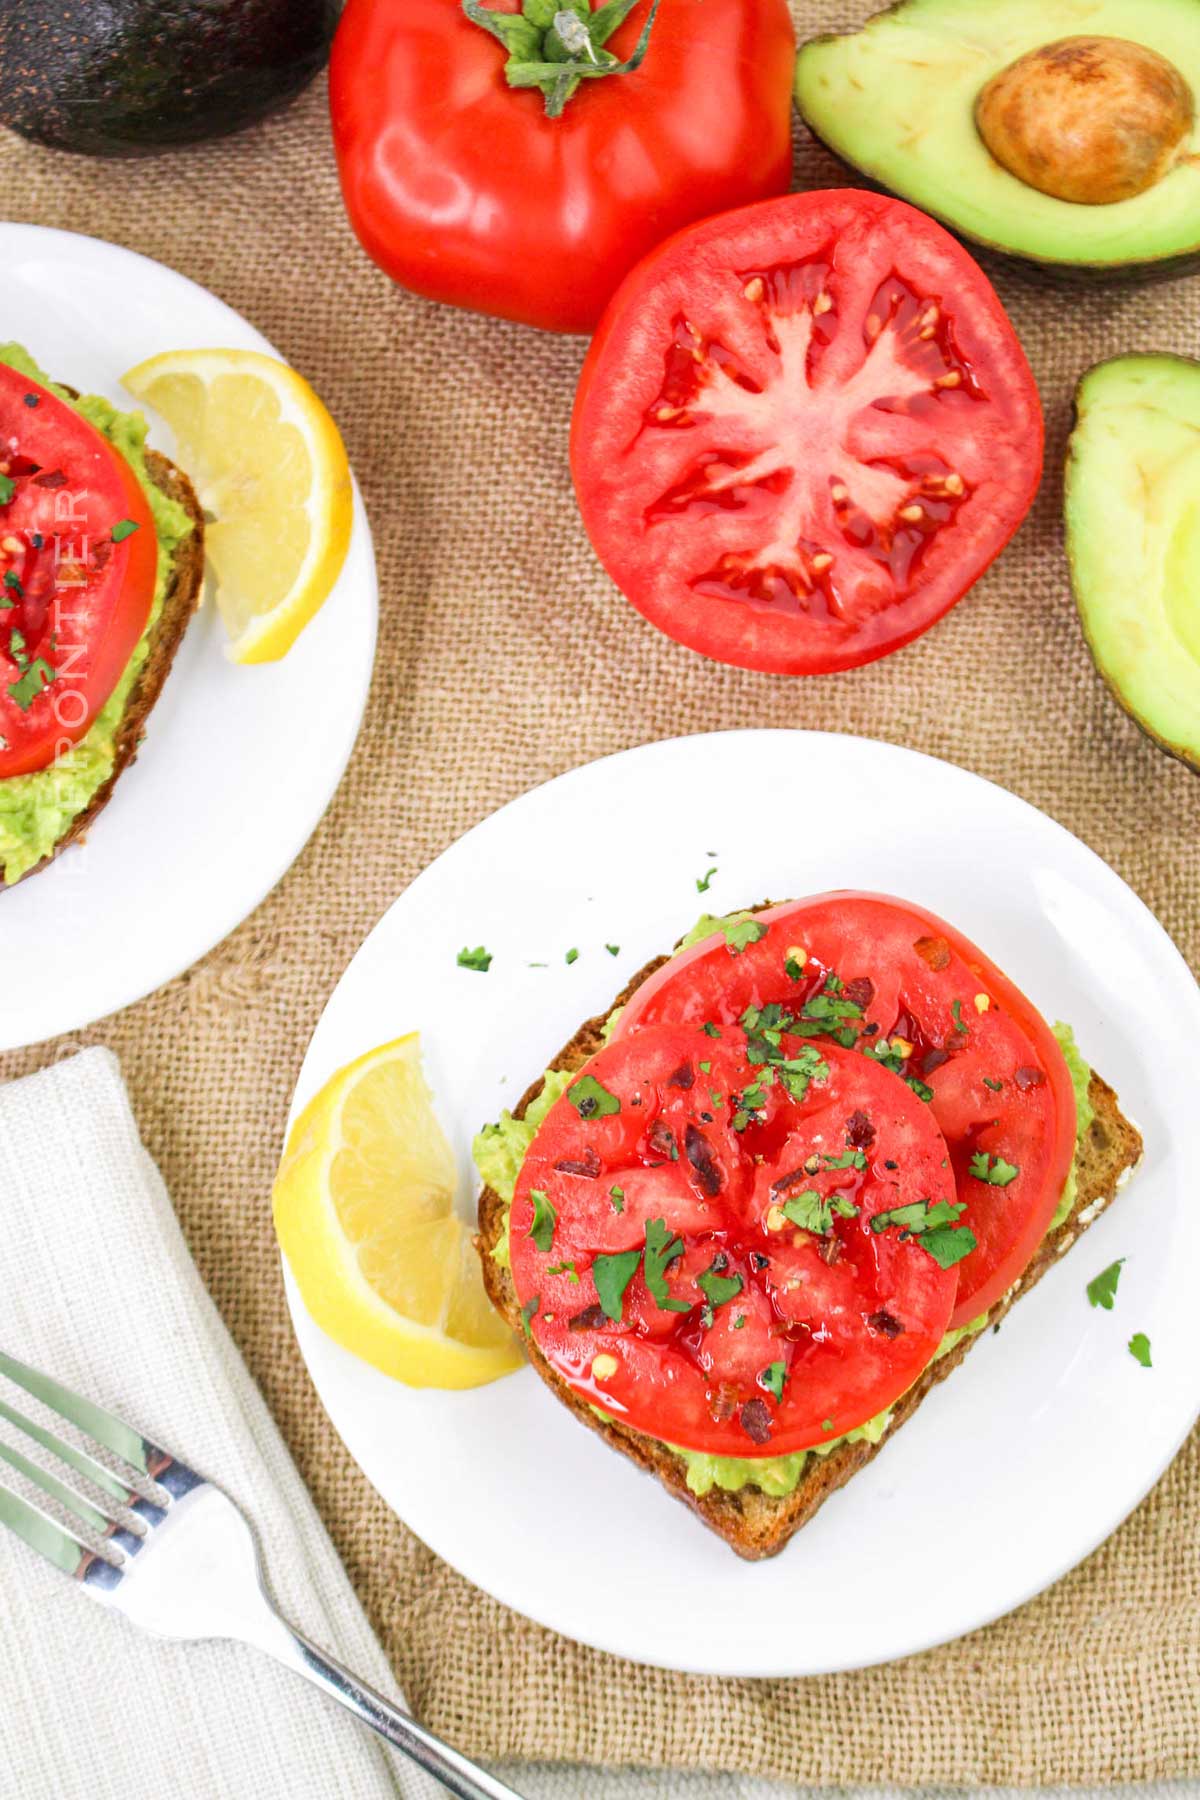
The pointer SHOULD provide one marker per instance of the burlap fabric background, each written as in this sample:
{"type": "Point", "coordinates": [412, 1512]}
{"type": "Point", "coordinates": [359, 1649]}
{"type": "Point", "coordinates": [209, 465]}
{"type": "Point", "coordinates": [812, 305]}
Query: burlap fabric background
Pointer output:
{"type": "Point", "coordinates": [505, 657]}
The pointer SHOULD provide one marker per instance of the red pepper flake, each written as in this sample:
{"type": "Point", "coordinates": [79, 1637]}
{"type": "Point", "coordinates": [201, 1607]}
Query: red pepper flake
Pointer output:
{"type": "Point", "coordinates": [886, 1323]}
{"type": "Point", "coordinates": [756, 1421]}
{"type": "Point", "coordinates": [860, 992]}
{"type": "Point", "coordinates": [1029, 1077]}
{"type": "Point", "coordinates": [588, 1165]}
{"type": "Point", "coordinates": [860, 1133]}
{"type": "Point", "coordinates": [684, 1076]}
{"type": "Point", "coordinates": [700, 1155]}
{"type": "Point", "coordinates": [934, 951]}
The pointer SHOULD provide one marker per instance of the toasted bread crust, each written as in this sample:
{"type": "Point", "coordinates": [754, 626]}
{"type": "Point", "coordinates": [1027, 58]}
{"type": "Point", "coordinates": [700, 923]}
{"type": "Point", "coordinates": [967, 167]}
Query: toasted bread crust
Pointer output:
{"type": "Point", "coordinates": [180, 602]}
{"type": "Point", "coordinates": [755, 1524]}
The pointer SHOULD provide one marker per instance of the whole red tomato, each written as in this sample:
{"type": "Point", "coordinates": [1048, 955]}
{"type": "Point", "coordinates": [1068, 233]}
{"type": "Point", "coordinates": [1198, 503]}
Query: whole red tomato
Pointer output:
{"type": "Point", "coordinates": [467, 189]}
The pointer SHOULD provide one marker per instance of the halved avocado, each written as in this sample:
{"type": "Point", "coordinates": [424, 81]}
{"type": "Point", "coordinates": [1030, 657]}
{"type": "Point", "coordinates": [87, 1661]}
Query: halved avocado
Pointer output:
{"type": "Point", "coordinates": [1133, 538]}
{"type": "Point", "coordinates": [900, 101]}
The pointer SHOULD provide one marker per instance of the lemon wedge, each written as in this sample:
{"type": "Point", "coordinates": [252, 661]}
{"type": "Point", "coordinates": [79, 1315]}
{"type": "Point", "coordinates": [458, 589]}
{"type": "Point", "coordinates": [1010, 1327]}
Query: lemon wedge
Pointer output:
{"type": "Point", "coordinates": [271, 473]}
{"type": "Point", "coordinates": [364, 1211]}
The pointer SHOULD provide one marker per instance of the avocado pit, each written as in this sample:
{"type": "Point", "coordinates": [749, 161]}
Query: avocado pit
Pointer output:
{"type": "Point", "coordinates": [1088, 119]}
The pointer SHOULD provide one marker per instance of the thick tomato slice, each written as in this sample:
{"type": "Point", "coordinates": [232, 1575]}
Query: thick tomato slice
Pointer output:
{"type": "Point", "coordinates": [698, 1247]}
{"type": "Point", "coordinates": [897, 981]}
{"type": "Point", "coordinates": [78, 556]}
{"type": "Point", "coordinates": [803, 430]}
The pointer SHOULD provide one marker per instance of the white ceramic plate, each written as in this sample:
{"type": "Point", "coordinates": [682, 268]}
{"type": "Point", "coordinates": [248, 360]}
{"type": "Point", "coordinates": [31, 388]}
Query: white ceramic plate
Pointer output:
{"type": "Point", "coordinates": [239, 764]}
{"type": "Point", "coordinates": [1015, 1468]}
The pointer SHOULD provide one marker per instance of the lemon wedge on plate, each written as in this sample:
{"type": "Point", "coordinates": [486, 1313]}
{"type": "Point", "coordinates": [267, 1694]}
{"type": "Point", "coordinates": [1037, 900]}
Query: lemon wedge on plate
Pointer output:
{"type": "Point", "coordinates": [270, 469]}
{"type": "Point", "coordinates": [364, 1211]}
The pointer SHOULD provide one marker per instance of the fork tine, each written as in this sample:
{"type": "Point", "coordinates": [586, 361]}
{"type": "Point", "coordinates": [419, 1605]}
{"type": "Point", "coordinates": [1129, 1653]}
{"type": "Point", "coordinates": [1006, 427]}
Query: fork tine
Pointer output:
{"type": "Point", "coordinates": [42, 1534]}
{"type": "Point", "coordinates": [79, 1460]}
{"type": "Point", "coordinates": [58, 1490]}
{"type": "Point", "coordinates": [112, 1432]}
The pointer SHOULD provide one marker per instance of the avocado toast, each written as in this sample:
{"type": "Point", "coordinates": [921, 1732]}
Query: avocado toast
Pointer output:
{"type": "Point", "coordinates": [46, 807]}
{"type": "Point", "coordinates": [757, 1503]}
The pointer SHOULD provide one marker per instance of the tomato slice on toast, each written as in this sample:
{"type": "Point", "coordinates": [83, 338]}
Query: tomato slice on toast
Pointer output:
{"type": "Point", "coordinates": [705, 1243]}
{"type": "Point", "coordinates": [78, 559]}
{"type": "Point", "coordinates": [900, 984]}
{"type": "Point", "coordinates": [803, 430]}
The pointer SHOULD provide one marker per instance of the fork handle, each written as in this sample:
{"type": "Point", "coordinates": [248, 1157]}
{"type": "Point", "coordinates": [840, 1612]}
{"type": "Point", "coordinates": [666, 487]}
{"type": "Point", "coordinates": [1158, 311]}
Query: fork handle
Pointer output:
{"type": "Point", "coordinates": [456, 1772]}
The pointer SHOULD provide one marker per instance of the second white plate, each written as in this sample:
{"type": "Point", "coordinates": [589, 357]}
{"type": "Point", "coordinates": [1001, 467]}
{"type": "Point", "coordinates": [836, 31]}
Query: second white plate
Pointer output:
{"type": "Point", "coordinates": [239, 764]}
{"type": "Point", "coordinates": [1015, 1468]}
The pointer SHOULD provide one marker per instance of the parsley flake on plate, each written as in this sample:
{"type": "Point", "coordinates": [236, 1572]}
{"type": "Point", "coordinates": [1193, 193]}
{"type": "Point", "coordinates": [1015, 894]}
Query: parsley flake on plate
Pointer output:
{"type": "Point", "coordinates": [702, 881]}
{"type": "Point", "coordinates": [1139, 1349]}
{"type": "Point", "coordinates": [1103, 1290]}
{"type": "Point", "coordinates": [478, 959]}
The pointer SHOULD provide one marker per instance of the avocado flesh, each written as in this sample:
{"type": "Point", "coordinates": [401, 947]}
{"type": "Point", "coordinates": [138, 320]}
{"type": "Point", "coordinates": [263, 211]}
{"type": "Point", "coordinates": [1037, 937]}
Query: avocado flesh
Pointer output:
{"type": "Point", "coordinates": [897, 99]}
{"type": "Point", "coordinates": [1133, 538]}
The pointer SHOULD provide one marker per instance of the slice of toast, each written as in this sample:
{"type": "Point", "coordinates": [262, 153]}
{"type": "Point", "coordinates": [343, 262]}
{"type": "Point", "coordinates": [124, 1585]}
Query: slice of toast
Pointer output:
{"type": "Point", "coordinates": [757, 1524]}
{"type": "Point", "coordinates": [181, 600]}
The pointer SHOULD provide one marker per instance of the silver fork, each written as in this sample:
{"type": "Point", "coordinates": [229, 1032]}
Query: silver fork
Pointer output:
{"type": "Point", "coordinates": [193, 1571]}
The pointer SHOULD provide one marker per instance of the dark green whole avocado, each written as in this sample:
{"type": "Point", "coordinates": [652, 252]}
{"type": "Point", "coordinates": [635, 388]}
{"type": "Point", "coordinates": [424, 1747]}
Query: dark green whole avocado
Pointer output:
{"type": "Point", "coordinates": [1133, 538]}
{"type": "Point", "coordinates": [129, 77]}
{"type": "Point", "coordinates": [1075, 152]}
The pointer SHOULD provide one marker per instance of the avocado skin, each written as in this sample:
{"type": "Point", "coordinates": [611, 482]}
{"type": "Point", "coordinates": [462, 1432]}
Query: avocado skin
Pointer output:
{"type": "Point", "coordinates": [129, 77]}
{"type": "Point", "coordinates": [1068, 275]}
{"type": "Point", "coordinates": [1189, 757]}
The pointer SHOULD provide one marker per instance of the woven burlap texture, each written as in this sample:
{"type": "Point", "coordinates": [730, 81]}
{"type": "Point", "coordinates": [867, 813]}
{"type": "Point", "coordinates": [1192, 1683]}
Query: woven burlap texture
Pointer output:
{"type": "Point", "coordinates": [506, 657]}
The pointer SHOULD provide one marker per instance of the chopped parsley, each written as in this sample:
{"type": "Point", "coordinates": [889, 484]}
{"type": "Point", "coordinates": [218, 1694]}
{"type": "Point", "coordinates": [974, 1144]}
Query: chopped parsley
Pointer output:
{"type": "Point", "coordinates": [747, 1105]}
{"type": "Point", "coordinates": [565, 1268]}
{"type": "Point", "coordinates": [772, 1378]}
{"type": "Point", "coordinates": [994, 1085]}
{"type": "Point", "coordinates": [662, 1250]}
{"type": "Point", "coordinates": [612, 1275]}
{"type": "Point", "coordinates": [8, 488]}
{"type": "Point", "coordinates": [14, 584]}
{"type": "Point", "coordinates": [527, 1312]}
{"type": "Point", "coordinates": [36, 678]}
{"type": "Point", "coordinates": [709, 1029]}
{"type": "Point", "coordinates": [717, 1288]}
{"type": "Point", "coordinates": [849, 1159]}
{"type": "Point", "coordinates": [571, 956]}
{"type": "Point", "coordinates": [931, 1224]}
{"type": "Point", "coordinates": [617, 1196]}
{"type": "Point", "coordinates": [992, 1169]}
{"type": "Point", "coordinates": [739, 1321]}
{"type": "Point", "coordinates": [478, 959]}
{"type": "Point", "coordinates": [826, 1424]}
{"type": "Point", "coordinates": [705, 1068]}
{"type": "Point", "coordinates": [544, 1219]}
{"type": "Point", "coordinates": [613, 949]}
{"type": "Point", "coordinates": [1139, 1349]}
{"type": "Point", "coordinates": [921, 1089]}
{"type": "Point", "coordinates": [122, 529]}
{"type": "Point", "coordinates": [741, 933]}
{"type": "Point", "coordinates": [956, 1015]}
{"type": "Point", "coordinates": [1103, 1290]}
{"type": "Point", "coordinates": [793, 963]}
{"type": "Point", "coordinates": [812, 1213]}
{"type": "Point", "coordinates": [702, 881]}
{"type": "Point", "coordinates": [590, 1100]}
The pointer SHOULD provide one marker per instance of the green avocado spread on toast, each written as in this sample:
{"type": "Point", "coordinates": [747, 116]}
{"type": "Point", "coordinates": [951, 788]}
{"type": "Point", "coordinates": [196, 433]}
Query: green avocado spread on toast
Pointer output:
{"type": "Point", "coordinates": [37, 809]}
{"type": "Point", "coordinates": [499, 1151]}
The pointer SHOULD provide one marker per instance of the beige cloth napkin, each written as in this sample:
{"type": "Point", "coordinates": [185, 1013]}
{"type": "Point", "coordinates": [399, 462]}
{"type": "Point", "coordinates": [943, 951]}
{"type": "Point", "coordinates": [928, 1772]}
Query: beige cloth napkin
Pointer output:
{"type": "Point", "coordinates": [97, 1287]}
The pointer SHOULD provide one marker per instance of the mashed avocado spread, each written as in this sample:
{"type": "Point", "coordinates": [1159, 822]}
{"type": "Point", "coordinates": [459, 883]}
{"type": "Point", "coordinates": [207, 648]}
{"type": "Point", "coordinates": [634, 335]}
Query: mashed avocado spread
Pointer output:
{"type": "Point", "coordinates": [36, 809]}
{"type": "Point", "coordinates": [499, 1151]}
